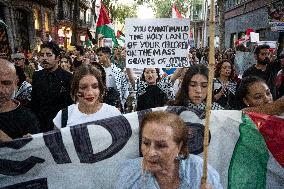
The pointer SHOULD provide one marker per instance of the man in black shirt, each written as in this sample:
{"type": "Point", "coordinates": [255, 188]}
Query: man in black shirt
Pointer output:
{"type": "Point", "coordinates": [51, 87]}
{"type": "Point", "coordinates": [280, 78]}
{"type": "Point", "coordinates": [16, 121]}
{"type": "Point", "coordinates": [264, 68]}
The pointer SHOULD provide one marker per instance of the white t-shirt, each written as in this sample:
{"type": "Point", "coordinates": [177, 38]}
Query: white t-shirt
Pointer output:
{"type": "Point", "coordinates": [110, 79]}
{"type": "Point", "coordinates": [76, 117]}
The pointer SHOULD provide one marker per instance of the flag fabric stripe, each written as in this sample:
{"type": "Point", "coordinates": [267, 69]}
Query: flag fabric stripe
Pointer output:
{"type": "Point", "coordinates": [275, 174]}
{"type": "Point", "coordinates": [106, 31]}
{"type": "Point", "coordinates": [248, 165]}
{"type": "Point", "coordinates": [103, 17]}
{"type": "Point", "coordinates": [175, 12]}
{"type": "Point", "coordinates": [272, 129]}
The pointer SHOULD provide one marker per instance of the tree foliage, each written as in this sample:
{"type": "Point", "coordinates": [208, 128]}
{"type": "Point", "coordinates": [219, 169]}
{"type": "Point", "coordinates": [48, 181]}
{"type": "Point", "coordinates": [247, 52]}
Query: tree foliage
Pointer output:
{"type": "Point", "coordinates": [163, 8]}
{"type": "Point", "coordinates": [119, 11]}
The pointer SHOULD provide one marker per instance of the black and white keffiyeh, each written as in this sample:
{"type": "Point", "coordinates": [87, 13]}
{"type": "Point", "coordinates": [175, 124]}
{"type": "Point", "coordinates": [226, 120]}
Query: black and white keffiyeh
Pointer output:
{"type": "Point", "coordinates": [164, 85]}
{"type": "Point", "coordinates": [121, 83]}
{"type": "Point", "coordinates": [202, 106]}
{"type": "Point", "coordinates": [231, 87]}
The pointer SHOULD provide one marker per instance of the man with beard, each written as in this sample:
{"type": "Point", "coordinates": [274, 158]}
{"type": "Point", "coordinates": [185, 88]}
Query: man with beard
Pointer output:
{"type": "Point", "coordinates": [264, 68]}
{"type": "Point", "coordinates": [16, 121]}
{"type": "Point", "coordinates": [51, 87]}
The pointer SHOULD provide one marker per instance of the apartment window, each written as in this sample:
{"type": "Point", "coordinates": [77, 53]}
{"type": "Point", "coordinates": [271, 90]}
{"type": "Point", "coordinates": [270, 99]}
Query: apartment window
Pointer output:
{"type": "Point", "coordinates": [237, 2]}
{"type": "Point", "coordinates": [36, 17]}
{"type": "Point", "coordinates": [261, 34]}
{"type": "Point", "coordinates": [233, 38]}
{"type": "Point", "coordinates": [46, 21]}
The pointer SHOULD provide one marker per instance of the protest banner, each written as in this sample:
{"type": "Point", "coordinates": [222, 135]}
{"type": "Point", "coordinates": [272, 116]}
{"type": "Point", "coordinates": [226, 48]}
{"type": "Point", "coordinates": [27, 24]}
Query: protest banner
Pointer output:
{"type": "Point", "coordinates": [247, 152]}
{"type": "Point", "coordinates": [157, 43]}
{"type": "Point", "coordinates": [276, 16]}
{"type": "Point", "coordinates": [272, 44]}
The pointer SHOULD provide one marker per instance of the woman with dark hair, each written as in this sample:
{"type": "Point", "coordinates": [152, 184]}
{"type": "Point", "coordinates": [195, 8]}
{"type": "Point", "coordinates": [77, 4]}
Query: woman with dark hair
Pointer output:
{"type": "Point", "coordinates": [152, 90]}
{"type": "Point", "coordinates": [254, 96]}
{"type": "Point", "coordinates": [87, 91]}
{"type": "Point", "coordinates": [224, 85]}
{"type": "Point", "coordinates": [166, 162]}
{"type": "Point", "coordinates": [24, 88]}
{"type": "Point", "coordinates": [252, 92]}
{"type": "Point", "coordinates": [193, 90]}
{"type": "Point", "coordinates": [66, 63]}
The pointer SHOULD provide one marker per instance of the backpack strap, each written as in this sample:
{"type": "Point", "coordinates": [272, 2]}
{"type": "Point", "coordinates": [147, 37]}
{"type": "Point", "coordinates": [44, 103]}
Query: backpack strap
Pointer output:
{"type": "Point", "coordinates": [64, 117]}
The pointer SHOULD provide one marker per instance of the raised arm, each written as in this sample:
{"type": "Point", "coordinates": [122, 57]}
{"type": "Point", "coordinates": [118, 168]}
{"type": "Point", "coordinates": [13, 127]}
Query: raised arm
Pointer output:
{"type": "Point", "coordinates": [273, 108]}
{"type": "Point", "coordinates": [177, 74]}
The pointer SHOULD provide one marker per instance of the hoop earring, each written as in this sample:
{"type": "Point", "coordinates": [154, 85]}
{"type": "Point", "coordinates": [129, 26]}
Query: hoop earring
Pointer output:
{"type": "Point", "coordinates": [179, 157]}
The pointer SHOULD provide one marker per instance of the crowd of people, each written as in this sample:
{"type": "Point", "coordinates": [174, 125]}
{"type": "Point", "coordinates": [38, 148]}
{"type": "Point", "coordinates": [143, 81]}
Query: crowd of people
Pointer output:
{"type": "Point", "coordinates": [54, 88]}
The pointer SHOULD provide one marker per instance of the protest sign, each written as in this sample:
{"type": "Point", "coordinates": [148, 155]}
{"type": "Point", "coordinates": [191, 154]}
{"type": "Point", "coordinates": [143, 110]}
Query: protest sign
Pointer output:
{"type": "Point", "coordinates": [157, 43]}
{"type": "Point", "coordinates": [272, 44]}
{"type": "Point", "coordinates": [276, 16]}
{"type": "Point", "coordinates": [254, 37]}
{"type": "Point", "coordinates": [108, 42]}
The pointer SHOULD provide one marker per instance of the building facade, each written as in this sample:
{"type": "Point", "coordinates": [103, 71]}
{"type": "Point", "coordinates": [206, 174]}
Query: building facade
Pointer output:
{"type": "Point", "coordinates": [197, 18]}
{"type": "Point", "coordinates": [31, 21]}
{"type": "Point", "coordinates": [241, 15]}
{"type": "Point", "coordinates": [28, 21]}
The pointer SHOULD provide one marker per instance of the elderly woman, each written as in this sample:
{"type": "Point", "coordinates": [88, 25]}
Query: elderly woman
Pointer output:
{"type": "Point", "coordinates": [254, 95]}
{"type": "Point", "coordinates": [224, 85]}
{"type": "Point", "coordinates": [193, 90]}
{"type": "Point", "coordinates": [87, 90]}
{"type": "Point", "coordinates": [152, 91]}
{"type": "Point", "coordinates": [165, 162]}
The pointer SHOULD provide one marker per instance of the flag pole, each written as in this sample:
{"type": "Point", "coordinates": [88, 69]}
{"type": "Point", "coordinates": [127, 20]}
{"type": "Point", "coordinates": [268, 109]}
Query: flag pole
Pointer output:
{"type": "Point", "coordinates": [209, 91]}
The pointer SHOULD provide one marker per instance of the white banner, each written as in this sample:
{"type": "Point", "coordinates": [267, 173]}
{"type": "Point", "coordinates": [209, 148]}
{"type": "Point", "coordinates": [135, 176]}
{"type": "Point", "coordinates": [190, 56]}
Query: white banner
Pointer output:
{"type": "Point", "coordinates": [88, 155]}
{"type": "Point", "coordinates": [157, 43]}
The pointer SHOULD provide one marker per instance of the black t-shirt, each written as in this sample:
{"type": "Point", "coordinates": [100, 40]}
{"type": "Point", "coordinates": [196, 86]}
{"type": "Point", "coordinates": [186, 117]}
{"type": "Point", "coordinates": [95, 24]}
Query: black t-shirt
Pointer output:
{"type": "Point", "coordinates": [19, 122]}
{"type": "Point", "coordinates": [268, 75]}
{"type": "Point", "coordinates": [153, 97]}
{"type": "Point", "coordinates": [280, 90]}
{"type": "Point", "coordinates": [50, 94]}
{"type": "Point", "coordinates": [253, 71]}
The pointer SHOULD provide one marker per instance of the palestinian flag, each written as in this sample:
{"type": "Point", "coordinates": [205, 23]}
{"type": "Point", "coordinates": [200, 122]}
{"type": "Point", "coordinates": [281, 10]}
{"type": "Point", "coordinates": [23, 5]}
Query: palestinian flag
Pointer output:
{"type": "Point", "coordinates": [175, 12]}
{"type": "Point", "coordinates": [247, 150]}
{"type": "Point", "coordinates": [120, 38]}
{"type": "Point", "coordinates": [88, 38]}
{"type": "Point", "coordinates": [104, 25]}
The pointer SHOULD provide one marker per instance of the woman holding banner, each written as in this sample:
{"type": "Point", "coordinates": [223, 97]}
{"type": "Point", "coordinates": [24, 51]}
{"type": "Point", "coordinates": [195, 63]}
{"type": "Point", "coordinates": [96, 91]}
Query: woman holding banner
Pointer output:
{"type": "Point", "coordinates": [87, 90]}
{"type": "Point", "coordinates": [193, 91]}
{"type": "Point", "coordinates": [165, 162]}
